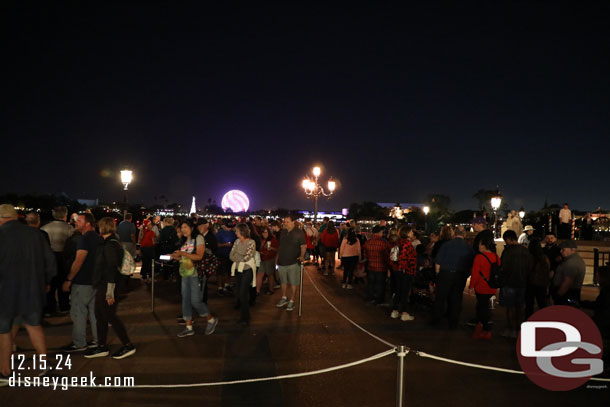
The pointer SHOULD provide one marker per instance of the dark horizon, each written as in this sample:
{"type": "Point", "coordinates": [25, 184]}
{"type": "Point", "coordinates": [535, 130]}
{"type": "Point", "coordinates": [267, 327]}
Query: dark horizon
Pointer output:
{"type": "Point", "coordinates": [395, 103]}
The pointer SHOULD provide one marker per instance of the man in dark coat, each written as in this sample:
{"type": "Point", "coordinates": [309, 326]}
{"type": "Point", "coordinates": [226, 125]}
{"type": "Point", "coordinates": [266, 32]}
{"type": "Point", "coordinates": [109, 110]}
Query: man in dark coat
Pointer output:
{"type": "Point", "coordinates": [27, 265]}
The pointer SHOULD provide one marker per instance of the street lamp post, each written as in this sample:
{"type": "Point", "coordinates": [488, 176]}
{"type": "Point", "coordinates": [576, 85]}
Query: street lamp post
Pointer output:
{"type": "Point", "coordinates": [496, 201]}
{"type": "Point", "coordinates": [126, 178]}
{"type": "Point", "coordinates": [426, 211]}
{"type": "Point", "coordinates": [314, 190]}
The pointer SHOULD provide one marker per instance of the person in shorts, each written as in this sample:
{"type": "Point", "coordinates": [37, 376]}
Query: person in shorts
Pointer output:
{"type": "Point", "coordinates": [290, 254]}
{"type": "Point", "coordinates": [516, 262]}
{"type": "Point", "coordinates": [27, 266]}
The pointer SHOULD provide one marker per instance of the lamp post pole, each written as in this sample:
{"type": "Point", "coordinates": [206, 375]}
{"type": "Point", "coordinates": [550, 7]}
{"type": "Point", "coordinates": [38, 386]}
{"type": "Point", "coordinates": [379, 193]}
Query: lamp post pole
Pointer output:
{"type": "Point", "coordinates": [126, 177]}
{"type": "Point", "coordinates": [496, 202]}
{"type": "Point", "coordinates": [426, 211]}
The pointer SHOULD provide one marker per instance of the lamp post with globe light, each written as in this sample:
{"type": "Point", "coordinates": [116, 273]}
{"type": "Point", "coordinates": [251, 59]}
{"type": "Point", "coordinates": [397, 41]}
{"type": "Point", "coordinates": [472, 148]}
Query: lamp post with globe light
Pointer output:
{"type": "Point", "coordinates": [314, 190]}
{"type": "Point", "coordinates": [496, 201]}
{"type": "Point", "coordinates": [126, 178]}
{"type": "Point", "coordinates": [426, 211]}
{"type": "Point", "coordinates": [522, 214]}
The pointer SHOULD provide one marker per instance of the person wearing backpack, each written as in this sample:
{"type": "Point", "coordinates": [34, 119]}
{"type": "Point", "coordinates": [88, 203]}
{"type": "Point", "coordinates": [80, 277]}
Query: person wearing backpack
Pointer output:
{"type": "Point", "coordinates": [484, 262]}
{"type": "Point", "coordinates": [106, 275]}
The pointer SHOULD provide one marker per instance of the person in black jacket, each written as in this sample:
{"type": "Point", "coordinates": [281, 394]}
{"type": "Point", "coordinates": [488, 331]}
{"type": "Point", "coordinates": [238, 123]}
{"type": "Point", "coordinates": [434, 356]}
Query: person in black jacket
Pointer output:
{"type": "Point", "coordinates": [106, 274]}
{"type": "Point", "coordinates": [27, 266]}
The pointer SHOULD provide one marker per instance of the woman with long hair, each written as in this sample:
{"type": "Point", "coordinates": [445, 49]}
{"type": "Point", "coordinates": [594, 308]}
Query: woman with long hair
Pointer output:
{"type": "Point", "coordinates": [269, 247]}
{"type": "Point", "coordinates": [538, 278]}
{"type": "Point", "coordinates": [445, 235]}
{"type": "Point", "coordinates": [191, 251]}
{"type": "Point", "coordinates": [330, 240]}
{"type": "Point", "coordinates": [147, 249]}
{"type": "Point", "coordinates": [242, 255]}
{"type": "Point", "coordinates": [350, 256]}
{"type": "Point", "coordinates": [406, 263]}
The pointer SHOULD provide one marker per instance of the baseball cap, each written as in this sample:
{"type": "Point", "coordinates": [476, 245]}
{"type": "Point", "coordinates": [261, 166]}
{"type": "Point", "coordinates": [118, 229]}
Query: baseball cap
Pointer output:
{"type": "Point", "coordinates": [479, 220]}
{"type": "Point", "coordinates": [568, 244]}
{"type": "Point", "coordinates": [202, 221]}
{"type": "Point", "coordinates": [376, 229]}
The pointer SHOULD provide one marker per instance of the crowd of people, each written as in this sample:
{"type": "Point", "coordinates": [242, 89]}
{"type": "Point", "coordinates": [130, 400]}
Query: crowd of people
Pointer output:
{"type": "Point", "coordinates": [75, 267]}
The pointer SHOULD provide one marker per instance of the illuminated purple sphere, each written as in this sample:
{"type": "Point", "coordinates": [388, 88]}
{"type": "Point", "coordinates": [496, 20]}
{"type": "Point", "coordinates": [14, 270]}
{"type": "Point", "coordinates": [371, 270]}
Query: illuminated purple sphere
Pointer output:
{"type": "Point", "coordinates": [235, 200]}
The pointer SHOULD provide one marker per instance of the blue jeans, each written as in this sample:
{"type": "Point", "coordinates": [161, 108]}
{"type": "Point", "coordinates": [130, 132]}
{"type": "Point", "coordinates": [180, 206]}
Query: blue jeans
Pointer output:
{"type": "Point", "coordinates": [82, 298]}
{"type": "Point", "coordinates": [192, 297]}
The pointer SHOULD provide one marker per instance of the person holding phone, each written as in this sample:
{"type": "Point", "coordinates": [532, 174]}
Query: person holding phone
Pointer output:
{"type": "Point", "coordinates": [192, 250]}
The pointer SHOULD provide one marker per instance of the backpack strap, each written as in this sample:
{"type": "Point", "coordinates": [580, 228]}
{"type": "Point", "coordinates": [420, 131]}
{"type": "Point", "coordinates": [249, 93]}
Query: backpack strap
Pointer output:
{"type": "Point", "coordinates": [487, 258]}
{"type": "Point", "coordinates": [490, 263]}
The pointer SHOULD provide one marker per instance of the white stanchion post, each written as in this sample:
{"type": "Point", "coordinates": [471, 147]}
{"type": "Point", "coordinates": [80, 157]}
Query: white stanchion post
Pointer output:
{"type": "Point", "coordinates": [152, 290]}
{"type": "Point", "coordinates": [401, 353]}
{"type": "Point", "coordinates": [301, 292]}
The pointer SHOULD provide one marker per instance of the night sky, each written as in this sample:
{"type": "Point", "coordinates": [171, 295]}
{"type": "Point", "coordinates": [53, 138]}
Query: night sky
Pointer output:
{"type": "Point", "coordinates": [396, 103]}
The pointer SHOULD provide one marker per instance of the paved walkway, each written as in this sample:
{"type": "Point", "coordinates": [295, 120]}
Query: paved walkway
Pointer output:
{"type": "Point", "coordinates": [279, 343]}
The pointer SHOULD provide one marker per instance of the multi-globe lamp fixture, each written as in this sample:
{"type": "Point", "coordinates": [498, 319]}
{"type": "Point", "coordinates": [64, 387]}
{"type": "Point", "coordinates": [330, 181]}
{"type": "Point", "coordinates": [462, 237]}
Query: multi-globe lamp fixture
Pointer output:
{"type": "Point", "coordinates": [314, 190]}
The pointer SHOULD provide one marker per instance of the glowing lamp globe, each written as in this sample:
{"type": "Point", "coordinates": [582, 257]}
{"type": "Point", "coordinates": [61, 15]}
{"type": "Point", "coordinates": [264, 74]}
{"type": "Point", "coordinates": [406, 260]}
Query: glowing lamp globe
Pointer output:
{"type": "Point", "coordinates": [235, 200]}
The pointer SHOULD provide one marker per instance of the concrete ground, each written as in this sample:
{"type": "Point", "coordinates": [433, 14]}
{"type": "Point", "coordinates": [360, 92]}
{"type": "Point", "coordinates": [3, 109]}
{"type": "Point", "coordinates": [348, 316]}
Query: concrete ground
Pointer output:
{"type": "Point", "coordinates": [279, 342]}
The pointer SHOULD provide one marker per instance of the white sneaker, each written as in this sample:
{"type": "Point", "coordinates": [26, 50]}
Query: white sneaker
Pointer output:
{"type": "Point", "coordinates": [394, 314]}
{"type": "Point", "coordinates": [406, 317]}
{"type": "Point", "coordinates": [349, 287]}
{"type": "Point", "coordinates": [343, 285]}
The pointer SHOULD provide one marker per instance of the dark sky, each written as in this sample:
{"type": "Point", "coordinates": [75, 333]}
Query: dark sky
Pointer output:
{"type": "Point", "coordinates": [396, 103]}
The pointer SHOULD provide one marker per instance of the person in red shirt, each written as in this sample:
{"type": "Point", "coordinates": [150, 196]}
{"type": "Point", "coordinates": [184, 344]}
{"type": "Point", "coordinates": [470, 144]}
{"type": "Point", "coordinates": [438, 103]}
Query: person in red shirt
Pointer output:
{"type": "Point", "coordinates": [330, 240]}
{"type": "Point", "coordinates": [269, 246]}
{"type": "Point", "coordinates": [377, 253]}
{"type": "Point", "coordinates": [478, 282]}
{"type": "Point", "coordinates": [147, 249]}
{"type": "Point", "coordinates": [406, 267]}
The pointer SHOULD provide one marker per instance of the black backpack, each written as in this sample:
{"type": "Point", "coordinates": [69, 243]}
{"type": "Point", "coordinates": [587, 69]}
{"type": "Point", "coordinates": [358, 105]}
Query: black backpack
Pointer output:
{"type": "Point", "coordinates": [496, 276]}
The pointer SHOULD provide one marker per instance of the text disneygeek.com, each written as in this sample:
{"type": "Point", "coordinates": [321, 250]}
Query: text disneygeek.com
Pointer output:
{"type": "Point", "coordinates": [64, 383]}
